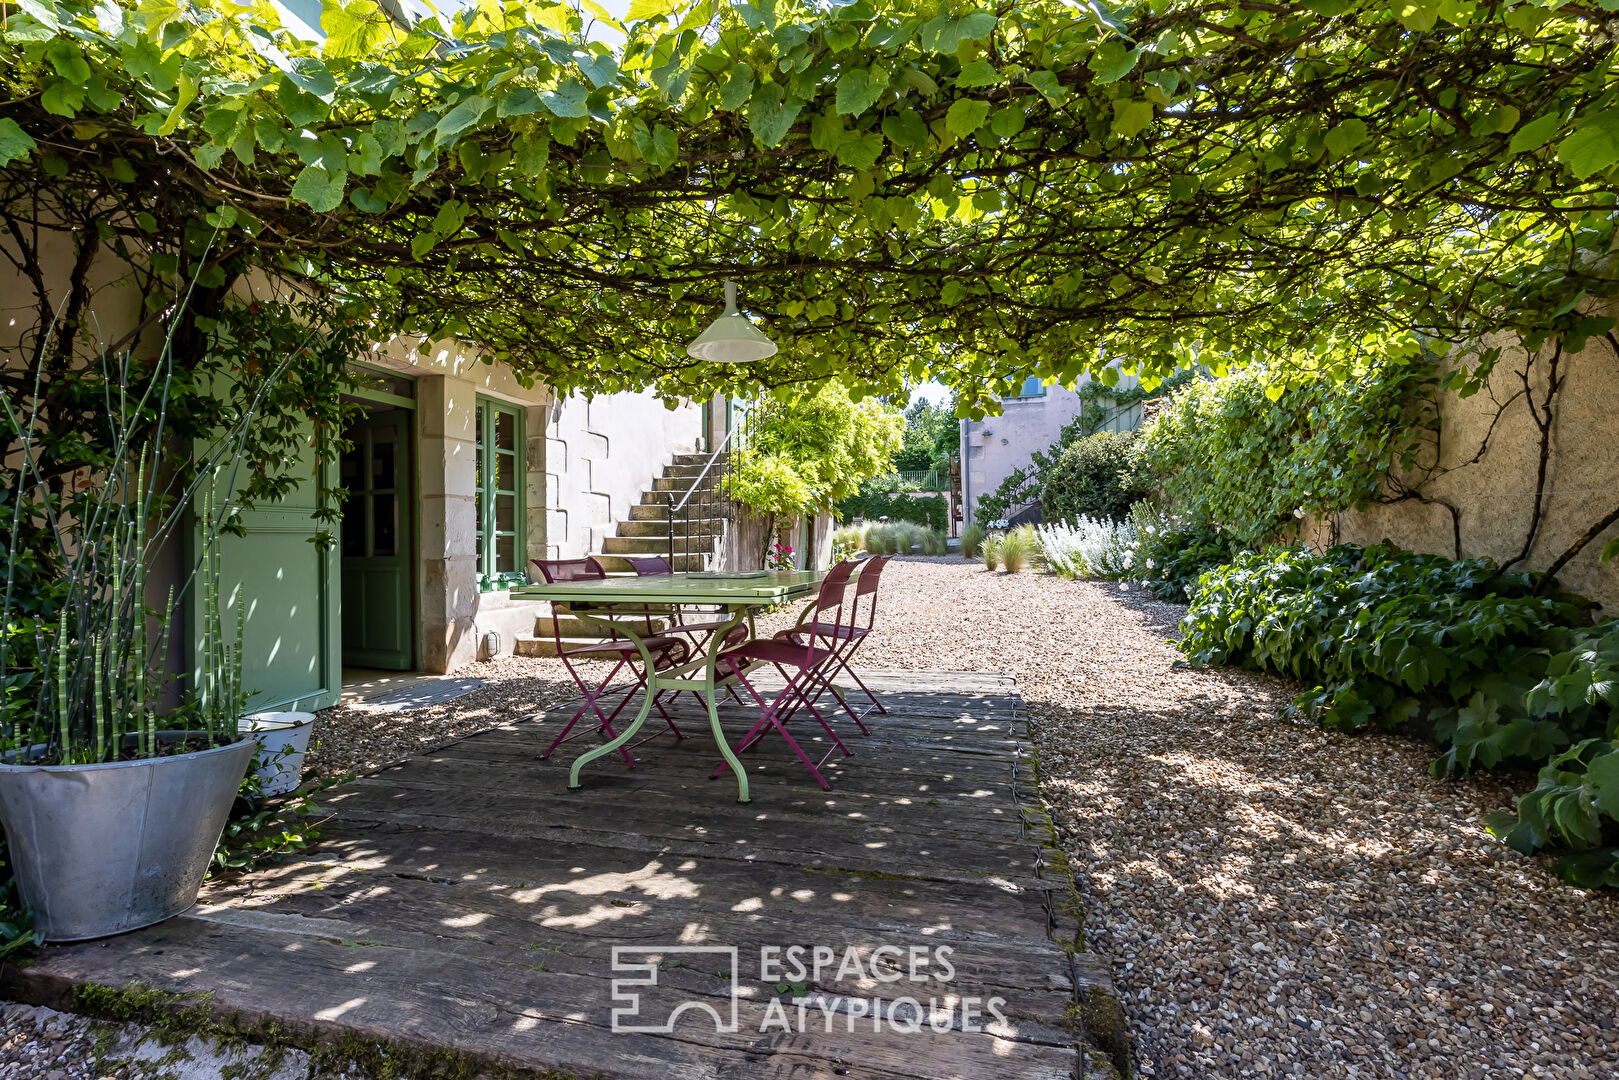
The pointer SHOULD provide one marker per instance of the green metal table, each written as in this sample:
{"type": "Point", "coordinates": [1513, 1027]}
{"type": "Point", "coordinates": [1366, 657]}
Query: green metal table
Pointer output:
{"type": "Point", "coordinates": [739, 596]}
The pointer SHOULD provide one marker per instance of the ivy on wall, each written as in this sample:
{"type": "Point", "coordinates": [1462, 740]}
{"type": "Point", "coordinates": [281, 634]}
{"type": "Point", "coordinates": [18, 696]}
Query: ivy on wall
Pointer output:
{"type": "Point", "coordinates": [1251, 457]}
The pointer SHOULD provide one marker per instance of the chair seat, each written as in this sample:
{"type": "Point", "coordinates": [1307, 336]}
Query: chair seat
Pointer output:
{"type": "Point", "coordinates": [820, 629]}
{"type": "Point", "coordinates": [778, 652]}
{"type": "Point", "coordinates": [658, 643]}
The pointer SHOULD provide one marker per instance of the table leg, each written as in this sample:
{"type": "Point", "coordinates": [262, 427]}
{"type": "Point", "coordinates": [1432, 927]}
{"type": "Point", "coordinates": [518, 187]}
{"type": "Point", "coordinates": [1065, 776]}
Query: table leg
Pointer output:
{"type": "Point", "coordinates": [711, 694]}
{"type": "Point", "coordinates": [646, 704]}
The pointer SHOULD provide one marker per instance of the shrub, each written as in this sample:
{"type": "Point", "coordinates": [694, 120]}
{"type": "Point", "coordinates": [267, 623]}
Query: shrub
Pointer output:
{"type": "Point", "coordinates": [990, 550]}
{"type": "Point", "coordinates": [875, 539]}
{"type": "Point", "coordinates": [1016, 547]}
{"type": "Point", "coordinates": [904, 539]}
{"type": "Point", "coordinates": [871, 504]}
{"type": "Point", "coordinates": [1090, 547]}
{"type": "Point", "coordinates": [972, 540]}
{"type": "Point", "coordinates": [1452, 649]}
{"type": "Point", "coordinates": [1171, 555]}
{"type": "Point", "coordinates": [935, 543]}
{"type": "Point", "coordinates": [1099, 476]}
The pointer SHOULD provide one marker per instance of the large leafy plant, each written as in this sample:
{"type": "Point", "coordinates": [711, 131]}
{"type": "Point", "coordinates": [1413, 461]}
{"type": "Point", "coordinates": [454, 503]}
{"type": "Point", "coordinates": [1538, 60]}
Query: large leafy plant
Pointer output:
{"type": "Point", "coordinates": [801, 454]}
{"type": "Point", "coordinates": [1497, 674]}
{"type": "Point", "coordinates": [901, 186]}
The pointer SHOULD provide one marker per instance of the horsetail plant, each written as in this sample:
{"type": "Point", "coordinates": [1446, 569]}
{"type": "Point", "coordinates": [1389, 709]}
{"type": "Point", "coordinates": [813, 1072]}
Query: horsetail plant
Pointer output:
{"type": "Point", "coordinates": [108, 529]}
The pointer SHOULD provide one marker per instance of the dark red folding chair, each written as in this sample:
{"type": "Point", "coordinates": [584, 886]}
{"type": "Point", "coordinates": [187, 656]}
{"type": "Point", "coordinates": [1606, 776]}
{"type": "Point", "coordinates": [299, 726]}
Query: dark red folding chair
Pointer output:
{"type": "Point", "coordinates": [842, 639]}
{"type": "Point", "coordinates": [806, 659]}
{"type": "Point", "coordinates": [866, 584]}
{"type": "Point", "coordinates": [665, 652]}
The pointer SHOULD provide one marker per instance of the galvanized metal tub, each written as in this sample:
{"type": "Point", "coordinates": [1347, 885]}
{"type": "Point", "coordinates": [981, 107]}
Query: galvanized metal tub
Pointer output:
{"type": "Point", "coordinates": [100, 849]}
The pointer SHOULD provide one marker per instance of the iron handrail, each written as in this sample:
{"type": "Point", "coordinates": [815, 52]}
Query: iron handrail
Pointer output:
{"type": "Point", "coordinates": [709, 464]}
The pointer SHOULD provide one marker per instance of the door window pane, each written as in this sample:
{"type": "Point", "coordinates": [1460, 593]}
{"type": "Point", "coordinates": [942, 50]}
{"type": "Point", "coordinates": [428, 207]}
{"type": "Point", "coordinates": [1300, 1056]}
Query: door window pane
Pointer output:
{"type": "Point", "coordinates": [385, 524]}
{"type": "Point", "coordinates": [382, 457]}
{"type": "Point", "coordinates": [506, 513]}
{"type": "Point", "coordinates": [505, 472]}
{"type": "Point", "coordinates": [506, 430]}
{"type": "Point", "coordinates": [499, 490]}
{"type": "Point", "coordinates": [505, 554]}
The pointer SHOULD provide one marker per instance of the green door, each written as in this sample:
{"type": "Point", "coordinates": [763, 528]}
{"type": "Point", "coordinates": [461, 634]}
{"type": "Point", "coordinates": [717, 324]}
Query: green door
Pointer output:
{"type": "Point", "coordinates": [376, 546]}
{"type": "Point", "coordinates": [284, 584]}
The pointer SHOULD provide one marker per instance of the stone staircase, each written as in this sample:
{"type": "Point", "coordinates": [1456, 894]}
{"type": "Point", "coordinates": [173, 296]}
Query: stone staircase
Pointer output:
{"type": "Point", "coordinates": [643, 535]}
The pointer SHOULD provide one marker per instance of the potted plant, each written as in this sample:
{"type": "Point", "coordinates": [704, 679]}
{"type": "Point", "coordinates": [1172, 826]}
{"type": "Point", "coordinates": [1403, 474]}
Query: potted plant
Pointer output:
{"type": "Point", "coordinates": [113, 789]}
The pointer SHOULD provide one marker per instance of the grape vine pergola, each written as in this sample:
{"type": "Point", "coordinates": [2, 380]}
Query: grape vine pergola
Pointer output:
{"type": "Point", "coordinates": [903, 188]}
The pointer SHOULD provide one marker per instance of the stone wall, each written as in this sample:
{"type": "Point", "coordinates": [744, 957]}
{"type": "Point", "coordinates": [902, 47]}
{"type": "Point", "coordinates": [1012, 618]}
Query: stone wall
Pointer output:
{"type": "Point", "coordinates": [1480, 480]}
{"type": "Point", "coordinates": [600, 454]}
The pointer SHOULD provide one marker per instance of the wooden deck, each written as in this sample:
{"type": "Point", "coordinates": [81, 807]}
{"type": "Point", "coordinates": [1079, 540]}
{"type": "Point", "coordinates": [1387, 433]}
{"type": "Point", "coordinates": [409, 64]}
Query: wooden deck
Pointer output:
{"type": "Point", "coordinates": [465, 901]}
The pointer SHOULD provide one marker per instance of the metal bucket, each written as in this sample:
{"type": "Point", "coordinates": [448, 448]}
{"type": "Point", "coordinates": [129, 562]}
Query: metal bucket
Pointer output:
{"type": "Point", "coordinates": [100, 849]}
{"type": "Point", "coordinates": [283, 739]}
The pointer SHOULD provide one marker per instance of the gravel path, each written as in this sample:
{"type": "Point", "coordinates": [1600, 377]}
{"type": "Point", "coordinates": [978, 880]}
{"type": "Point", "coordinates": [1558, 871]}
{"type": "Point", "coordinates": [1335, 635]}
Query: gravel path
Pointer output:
{"type": "Point", "coordinates": [1277, 899]}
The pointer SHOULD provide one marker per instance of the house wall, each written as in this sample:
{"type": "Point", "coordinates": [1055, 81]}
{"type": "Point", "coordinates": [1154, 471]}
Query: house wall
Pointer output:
{"type": "Point", "coordinates": [1493, 491]}
{"type": "Point", "coordinates": [599, 455]}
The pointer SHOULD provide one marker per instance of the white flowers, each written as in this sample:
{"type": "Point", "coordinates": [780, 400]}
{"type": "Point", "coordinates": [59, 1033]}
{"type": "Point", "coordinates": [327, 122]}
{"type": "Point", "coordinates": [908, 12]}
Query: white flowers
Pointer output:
{"type": "Point", "coordinates": [1091, 547]}
{"type": "Point", "coordinates": [1298, 511]}
{"type": "Point", "coordinates": [1151, 565]}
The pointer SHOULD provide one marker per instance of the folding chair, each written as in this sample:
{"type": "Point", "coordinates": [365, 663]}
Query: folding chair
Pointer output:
{"type": "Point", "coordinates": [665, 651]}
{"type": "Point", "coordinates": [842, 639]}
{"type": "Point", "coordinates": [871, 572]}
{"type": "Point", "coordinates": [807, 659]}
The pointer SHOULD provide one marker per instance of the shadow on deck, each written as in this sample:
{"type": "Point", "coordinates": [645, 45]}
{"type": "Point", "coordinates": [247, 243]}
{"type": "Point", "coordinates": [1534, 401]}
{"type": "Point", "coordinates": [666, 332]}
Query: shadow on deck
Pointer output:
{"type": "Point", "coordinates": [463, 905]}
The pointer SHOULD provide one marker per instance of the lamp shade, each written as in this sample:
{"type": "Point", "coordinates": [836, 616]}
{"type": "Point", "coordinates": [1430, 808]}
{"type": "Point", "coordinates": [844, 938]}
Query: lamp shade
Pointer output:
{"type": "Point", "coordinates": [731, 338]}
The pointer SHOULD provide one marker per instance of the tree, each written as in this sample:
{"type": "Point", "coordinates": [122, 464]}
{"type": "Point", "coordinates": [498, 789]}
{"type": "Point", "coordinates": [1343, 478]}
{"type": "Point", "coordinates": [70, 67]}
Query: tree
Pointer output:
{"type": "Point", "coordinates": [802, 454]}
{"type": "Point", "coordinates": [925, 424]}
{"type": "Point", "coordinates": [902, 189]}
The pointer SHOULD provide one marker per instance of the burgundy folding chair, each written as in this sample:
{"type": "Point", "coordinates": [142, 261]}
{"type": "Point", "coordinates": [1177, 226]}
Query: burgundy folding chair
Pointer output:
{"type": "Point", "coordinates": [871, 572]}
{"type": "Point", "coordinates": [665, 652]}
{"type": "Point", "coordinates": [806, 658]}
{"type": "Point", "coordinates": [842, 639]}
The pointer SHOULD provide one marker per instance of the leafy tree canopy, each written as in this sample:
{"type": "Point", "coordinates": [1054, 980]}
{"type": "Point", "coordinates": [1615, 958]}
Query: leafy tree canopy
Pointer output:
{"type": "Point", "coordinates": [903, 188]}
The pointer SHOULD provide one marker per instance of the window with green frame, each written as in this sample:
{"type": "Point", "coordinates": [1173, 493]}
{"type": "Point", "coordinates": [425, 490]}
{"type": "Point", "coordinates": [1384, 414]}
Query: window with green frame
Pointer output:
{"type": "Point", "coordinates": [501, 548]}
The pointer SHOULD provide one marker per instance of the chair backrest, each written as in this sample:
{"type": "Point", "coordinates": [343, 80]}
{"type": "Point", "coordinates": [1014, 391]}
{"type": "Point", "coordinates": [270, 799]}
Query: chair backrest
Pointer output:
{"type": "Point", "coordinates": [833, 588]}
{"type": "Point", "coordinates": [651, 567]}
{"type": "Point", "coordinates": [871, 572]}
{"type": "Point", "coordinates": [557, 571]}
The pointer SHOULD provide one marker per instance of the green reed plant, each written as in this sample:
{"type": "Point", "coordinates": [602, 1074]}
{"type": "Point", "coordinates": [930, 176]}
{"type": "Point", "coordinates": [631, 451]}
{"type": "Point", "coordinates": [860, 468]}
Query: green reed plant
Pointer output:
{"type": "Point", "coordinates": [990, 550]}
{"type": "Point", "coordinates": [99, 663]}
{"type": "Point", "coordinates": [1017, 547]}
{"type": "Point", "coordinates": [972, 540]}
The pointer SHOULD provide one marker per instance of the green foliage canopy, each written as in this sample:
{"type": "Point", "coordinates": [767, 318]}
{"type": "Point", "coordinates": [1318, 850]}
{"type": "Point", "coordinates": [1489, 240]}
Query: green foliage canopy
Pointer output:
{"type": "Point", "coordinates": [903, 188]}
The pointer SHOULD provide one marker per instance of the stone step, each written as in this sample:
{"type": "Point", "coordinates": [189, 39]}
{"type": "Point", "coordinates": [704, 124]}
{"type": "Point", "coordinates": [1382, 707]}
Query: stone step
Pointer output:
{"type": "Point", "coordinates": [682, 484]}
{"type": "Point", "coordinates": [545, 645]}
{"type": "Point", "coordinates": [655, 507]}
{"type": "Point", "coordinates": [659, 526]}
{"type": "Point", "coordinates": [691, 459]}
{"type": "Point", "coordinates": [653, 545]}
{"type": "Point", "coordinates": [689, 471]}
{"type": "Point", "coordinates": [681, 563]}
{"type": "Point", "coordinates": [573, 627]}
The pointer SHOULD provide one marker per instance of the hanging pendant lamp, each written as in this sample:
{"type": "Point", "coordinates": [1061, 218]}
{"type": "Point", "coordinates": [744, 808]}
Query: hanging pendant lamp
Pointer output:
{"type": "Point", "coordinates": [731, 338]}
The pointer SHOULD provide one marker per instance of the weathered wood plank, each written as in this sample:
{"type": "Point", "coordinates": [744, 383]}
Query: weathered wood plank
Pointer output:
{"type": "Point", "coordinates": [464, 899]}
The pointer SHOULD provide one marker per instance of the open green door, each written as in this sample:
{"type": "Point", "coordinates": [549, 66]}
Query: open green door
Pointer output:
{"type": "Point", "coordinates": [286, 585]}
{"type": "Point", "coordinates": [378, 514]}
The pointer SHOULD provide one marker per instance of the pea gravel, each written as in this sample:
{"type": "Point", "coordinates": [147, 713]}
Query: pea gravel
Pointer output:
{"type": "Point", "coordinates": [1277, 900]}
